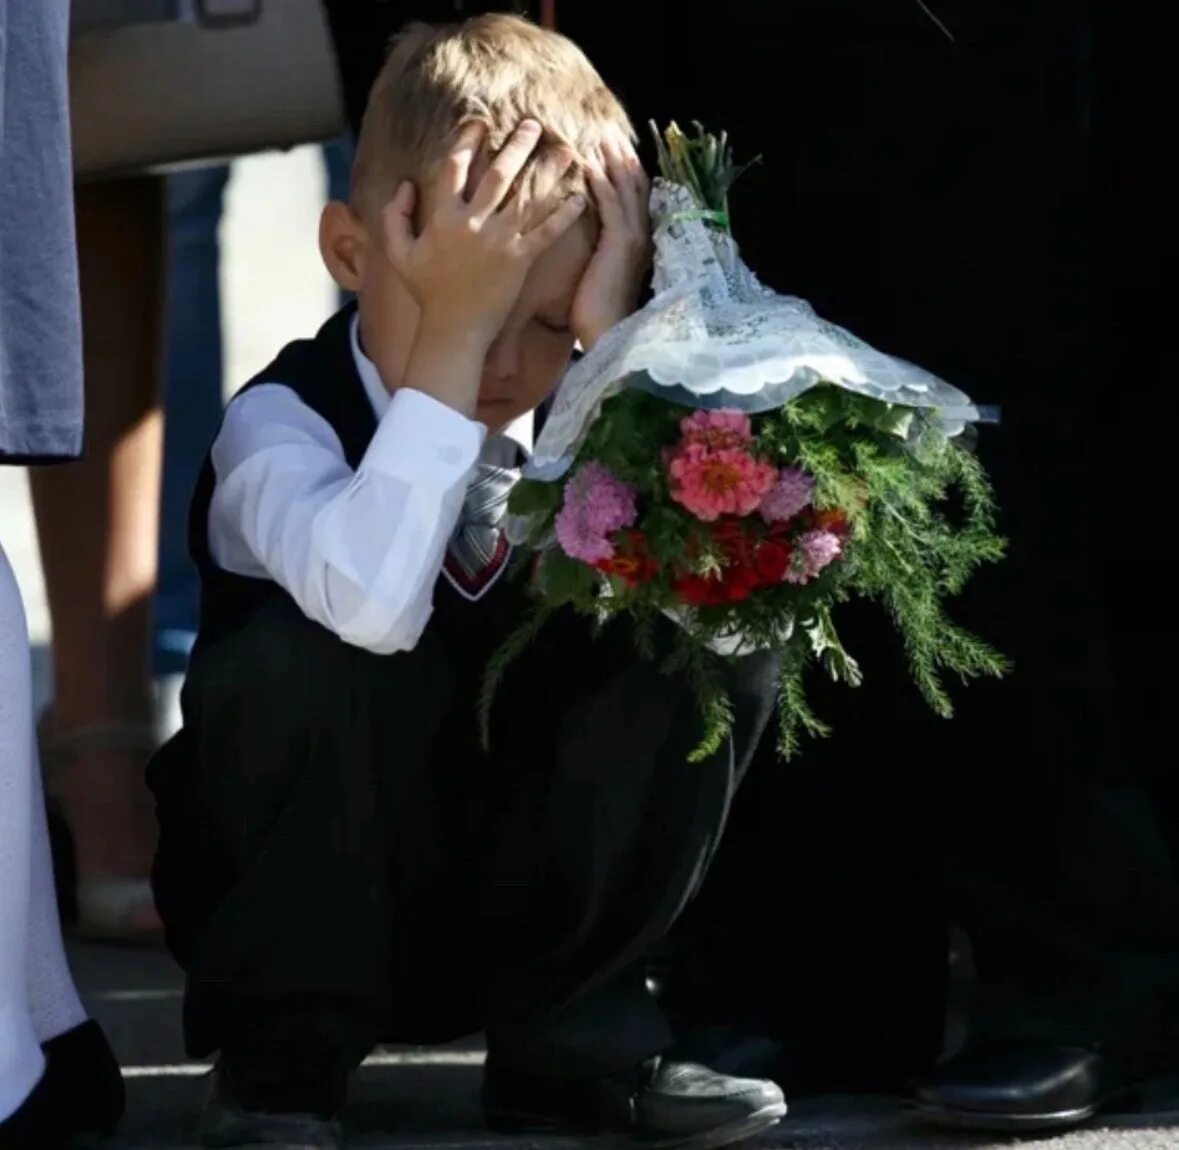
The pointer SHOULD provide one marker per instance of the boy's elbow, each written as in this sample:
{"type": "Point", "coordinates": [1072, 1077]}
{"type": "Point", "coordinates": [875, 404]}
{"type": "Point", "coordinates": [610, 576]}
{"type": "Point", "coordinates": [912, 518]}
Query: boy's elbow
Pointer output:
{"type": "Point", "coordinates": [386, 631]}
{"type": "Point", "coordinates": [363, 594]}
{"type": "Point", "coordinates": [396, 640]}
{"type": "Point", "coordinates": [365, 608]}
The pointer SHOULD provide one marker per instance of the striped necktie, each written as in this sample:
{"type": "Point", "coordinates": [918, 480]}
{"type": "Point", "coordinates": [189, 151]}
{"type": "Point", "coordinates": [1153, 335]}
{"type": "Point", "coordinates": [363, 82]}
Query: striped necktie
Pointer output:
{"type": "Point", "coordinates": [478, 549]}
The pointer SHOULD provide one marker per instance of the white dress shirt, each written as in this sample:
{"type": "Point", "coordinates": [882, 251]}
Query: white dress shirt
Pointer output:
{"type": "Point", "coordinates": [359, 551]}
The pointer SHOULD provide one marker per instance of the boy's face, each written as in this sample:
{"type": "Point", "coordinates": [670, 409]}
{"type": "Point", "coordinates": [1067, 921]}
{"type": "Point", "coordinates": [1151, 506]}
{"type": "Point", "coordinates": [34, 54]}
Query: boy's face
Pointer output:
{"type": "Point", "coordinates": [532, 349]}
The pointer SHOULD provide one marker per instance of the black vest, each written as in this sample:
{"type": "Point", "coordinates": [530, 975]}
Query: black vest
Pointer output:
{"type": "Point", "coordinates": [322, 372]}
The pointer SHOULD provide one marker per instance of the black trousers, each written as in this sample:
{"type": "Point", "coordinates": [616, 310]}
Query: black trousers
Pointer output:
{"type": "Point", "coordinates": [950, 200]}
{"type": "Point", "coordinates": [341, 865]}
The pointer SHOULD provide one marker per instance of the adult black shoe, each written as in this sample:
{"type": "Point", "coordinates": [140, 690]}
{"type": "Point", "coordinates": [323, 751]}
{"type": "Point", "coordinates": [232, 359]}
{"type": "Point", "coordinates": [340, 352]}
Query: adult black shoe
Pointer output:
{"type": "Point", "coordinates": [80, 1092]}
{"type": "Point", "coordinates": [661, 1105]}
{"type": "Point", "coordinates": [83, 1076]}
{"type": "Point", "coordinates": [229, 1124]}
{"type": "Point", "coordinates": [37, 1122]}
{"type": "Point", "coordinates": [1020, 1085]}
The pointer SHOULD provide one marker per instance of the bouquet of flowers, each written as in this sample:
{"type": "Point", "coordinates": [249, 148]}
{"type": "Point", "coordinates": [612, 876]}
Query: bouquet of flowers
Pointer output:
{"type": "Point", "coordinates": [728, 459]}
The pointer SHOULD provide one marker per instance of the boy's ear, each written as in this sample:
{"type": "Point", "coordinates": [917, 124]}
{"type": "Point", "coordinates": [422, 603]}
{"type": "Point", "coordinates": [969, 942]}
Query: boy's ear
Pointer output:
{"type": "Point", "coordinates": [342, 245]}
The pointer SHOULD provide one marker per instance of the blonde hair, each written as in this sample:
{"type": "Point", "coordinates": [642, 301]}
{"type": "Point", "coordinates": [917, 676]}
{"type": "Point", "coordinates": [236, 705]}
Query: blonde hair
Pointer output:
{"type": "Point", "coordinates": [494, 70]}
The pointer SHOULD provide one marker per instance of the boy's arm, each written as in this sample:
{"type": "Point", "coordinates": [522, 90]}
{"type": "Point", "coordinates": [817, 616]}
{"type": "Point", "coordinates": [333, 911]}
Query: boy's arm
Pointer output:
{"type": "Point", "coordinates": [358, 551]}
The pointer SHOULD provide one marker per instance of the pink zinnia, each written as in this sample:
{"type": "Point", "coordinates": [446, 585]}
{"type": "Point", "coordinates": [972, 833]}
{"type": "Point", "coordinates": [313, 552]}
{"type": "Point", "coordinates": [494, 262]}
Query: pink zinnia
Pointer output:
{"type": "Point", "coordinates": [715, 483]}
{"type": "Point", "coordinates": [716, 430]}
{"type": "Point", "coordinates": [789, 495]}
{"type": "Point", "coordinates": [595, 505]}
{"type": "Point", "coordinates": [813, 551]}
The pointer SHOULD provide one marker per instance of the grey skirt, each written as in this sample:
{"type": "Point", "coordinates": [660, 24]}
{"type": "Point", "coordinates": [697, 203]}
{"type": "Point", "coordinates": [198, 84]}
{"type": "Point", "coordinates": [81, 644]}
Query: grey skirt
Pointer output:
{"type": "Point", "coordinates": [40, 322]}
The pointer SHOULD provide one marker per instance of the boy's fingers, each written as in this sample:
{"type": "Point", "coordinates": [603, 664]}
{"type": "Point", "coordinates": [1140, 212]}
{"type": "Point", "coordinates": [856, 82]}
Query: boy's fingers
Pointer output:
{"type": "Point", "coordinates": [606, 197]}
{"type": "Point", "coordinates": [620, 180]}
{"type": "Point", "coordinates": [543, 191]}
{"type": "Point", "coordinates": [641, 185]}
{"type": "Point", "coordinates": [397, 219]}
{"type": "Point", "coordinates": [639, 180]}
{"type": "Point", "coordinates": [555, 224]}
{"type": "Point", "coordinates": [629, 178]}
{"type": "Point", "coordinates": [499, 178]}
{"type": "Point", "coordinates": [456, 168]}
{"type": "Point", "coordinates": [550, 172]}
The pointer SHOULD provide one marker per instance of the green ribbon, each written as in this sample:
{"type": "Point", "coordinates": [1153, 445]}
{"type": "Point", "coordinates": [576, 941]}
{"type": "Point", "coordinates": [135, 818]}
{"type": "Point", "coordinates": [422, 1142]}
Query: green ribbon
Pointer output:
{"type": "Point", "coordinates": [712, 217]}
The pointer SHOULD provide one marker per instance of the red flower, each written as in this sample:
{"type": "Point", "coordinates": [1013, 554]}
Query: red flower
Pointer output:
{"type": "Point", "coordinates": [771, 560]}
{"type": "Point", "coordinates": [728, 529]}
{"type": "Point", "coordinates": [737, 543]}
{"type": "Point", "coordinates": [833, 520]}
{"type": "Point", "coordinates": [749, 560]}
{"type": "Point", "coordinates": [631, 569]}
{"type": "Point", "coordinates": [738, 583]}
{"type": "Point", "coordinates": [698, 590]}
{"type": "Point", "coordinates": [631, 561]}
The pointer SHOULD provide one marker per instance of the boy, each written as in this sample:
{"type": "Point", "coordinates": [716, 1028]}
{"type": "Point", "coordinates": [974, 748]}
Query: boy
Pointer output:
{"type": "Point", "coordinates": [340, 863]}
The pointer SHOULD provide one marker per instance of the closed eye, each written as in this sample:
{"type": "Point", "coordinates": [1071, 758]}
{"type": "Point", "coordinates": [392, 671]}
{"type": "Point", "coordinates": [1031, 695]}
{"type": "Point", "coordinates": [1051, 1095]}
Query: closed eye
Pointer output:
{"type": "Point", "coordinates": [553, 325]}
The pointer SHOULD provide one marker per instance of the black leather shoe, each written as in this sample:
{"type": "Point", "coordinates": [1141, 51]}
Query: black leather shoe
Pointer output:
{"type": "Point", "coordinates": [84, 1078]}
{"type": "Point", "coordinates": [1020, 1085]}
{"type": "Point", "coordinates": [660, 1105]}
{"type": "Point", "coordinates": [37, 1122]}
{"type": "Point", "coordinates": [80, 1092]}
{"type": "Point", "coordinates": [227, 1124]}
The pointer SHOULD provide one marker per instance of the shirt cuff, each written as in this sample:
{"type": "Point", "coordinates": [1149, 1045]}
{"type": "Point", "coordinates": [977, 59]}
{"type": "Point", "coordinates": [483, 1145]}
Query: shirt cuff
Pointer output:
{"type": "Point", "coordinates": [418, 436]}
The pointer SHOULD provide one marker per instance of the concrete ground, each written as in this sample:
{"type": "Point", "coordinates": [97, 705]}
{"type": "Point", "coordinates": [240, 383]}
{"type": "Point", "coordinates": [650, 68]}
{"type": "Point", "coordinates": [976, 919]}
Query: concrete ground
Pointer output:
{"type": "Point", "coordinates": [274, 290]}
{"type": "Point", "coordinates": [406, 1098]}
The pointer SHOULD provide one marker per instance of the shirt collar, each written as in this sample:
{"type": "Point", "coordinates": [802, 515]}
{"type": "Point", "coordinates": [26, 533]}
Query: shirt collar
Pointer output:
{"type": "Point", "coordinates": [519, 431]}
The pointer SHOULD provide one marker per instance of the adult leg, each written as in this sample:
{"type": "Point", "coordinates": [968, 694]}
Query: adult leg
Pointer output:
{"type": "Point", "coordinates": [1075, 945]}
{"type": "Point", "coordinates": [97, 525]}
{"type": "Point", "coordinates": [57, 1073]}
{"type": "Point", "coordinates": [82, 1075]}
{"type": "Point", "coordinates": [192, 398]}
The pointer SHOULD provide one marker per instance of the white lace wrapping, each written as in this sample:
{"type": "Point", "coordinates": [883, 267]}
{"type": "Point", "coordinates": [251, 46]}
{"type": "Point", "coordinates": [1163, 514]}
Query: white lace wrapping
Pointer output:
{"type": "Point", "coordinates": [714, 336]}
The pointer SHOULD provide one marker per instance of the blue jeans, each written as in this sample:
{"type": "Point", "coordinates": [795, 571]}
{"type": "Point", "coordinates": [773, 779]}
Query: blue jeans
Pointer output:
{"type": "Point", "coordinates": [193, 383]}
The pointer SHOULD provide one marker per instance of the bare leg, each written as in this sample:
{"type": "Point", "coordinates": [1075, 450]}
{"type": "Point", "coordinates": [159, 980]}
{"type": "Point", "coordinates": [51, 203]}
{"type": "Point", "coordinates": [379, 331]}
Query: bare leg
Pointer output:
{"type": "Point", "coordinates": [98, 522]}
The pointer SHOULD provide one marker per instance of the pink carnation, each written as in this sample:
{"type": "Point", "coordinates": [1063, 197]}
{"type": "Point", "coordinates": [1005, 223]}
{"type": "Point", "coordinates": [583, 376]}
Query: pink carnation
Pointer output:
{"type": "Point", "coordinates": [813, 551]}
{"type": "Point", "coordinates": [789, 495]}
{"type": "Point", "coordinates": [595, 505]}
{"type": "Point", "coordinates": [715, 483]}
{"type": "Point", "coordinates": [716, 430]}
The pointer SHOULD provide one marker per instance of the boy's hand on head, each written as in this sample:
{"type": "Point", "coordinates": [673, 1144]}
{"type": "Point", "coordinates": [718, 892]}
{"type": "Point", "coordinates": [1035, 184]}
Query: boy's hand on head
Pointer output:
{"type": "Point", "coordinates": [609, 289]}
{"type": "Point", "coordinates": [466, 266]}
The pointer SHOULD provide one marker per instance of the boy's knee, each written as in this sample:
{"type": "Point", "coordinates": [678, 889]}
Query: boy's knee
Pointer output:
{"type": "Point", "coordinates": [641, 724]}
{"type": "Point", "coordinates": [629, 729]}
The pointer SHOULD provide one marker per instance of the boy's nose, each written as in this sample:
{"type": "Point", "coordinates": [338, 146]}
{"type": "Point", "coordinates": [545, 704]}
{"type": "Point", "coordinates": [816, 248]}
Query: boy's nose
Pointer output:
{"type": "Point", "coordinates": [503, 359]}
